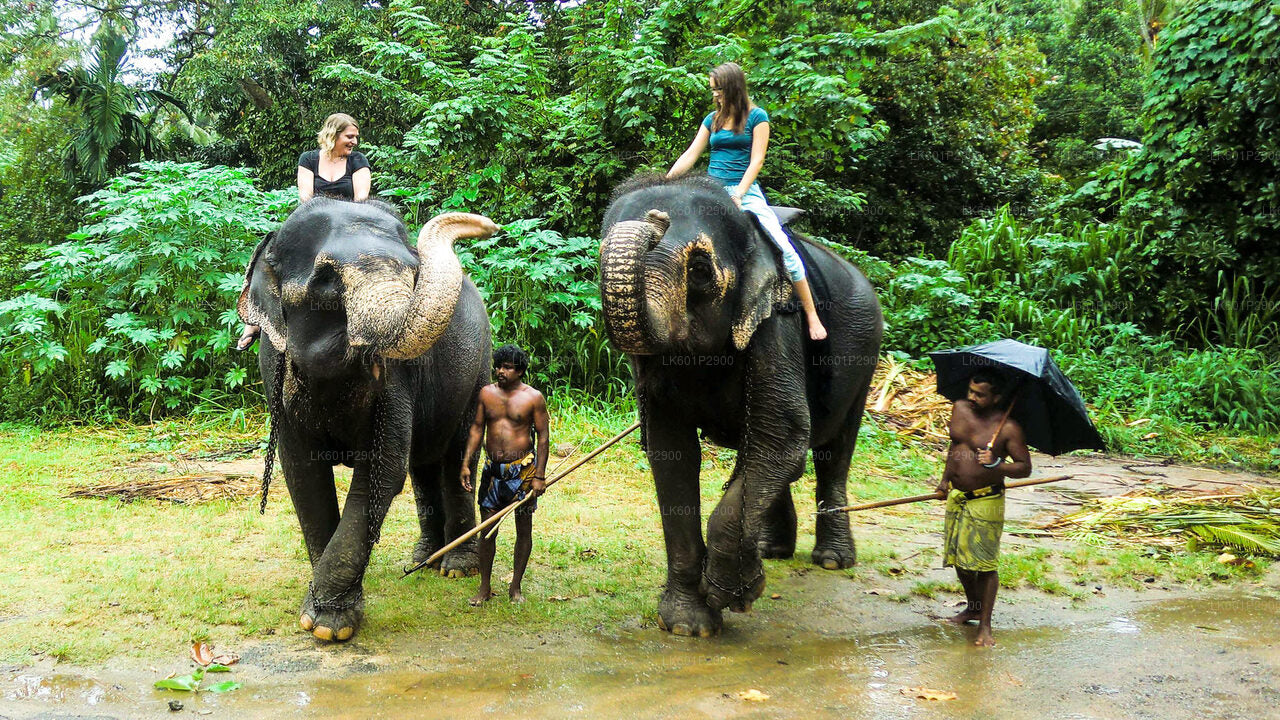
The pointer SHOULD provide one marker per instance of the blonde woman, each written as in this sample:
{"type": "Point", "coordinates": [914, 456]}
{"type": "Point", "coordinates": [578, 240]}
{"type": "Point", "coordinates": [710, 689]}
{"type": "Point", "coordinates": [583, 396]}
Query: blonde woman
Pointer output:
{"type": "Point", "coordinates": [336, 169]}
{"type": "Point", "coordinates": [738, 133]}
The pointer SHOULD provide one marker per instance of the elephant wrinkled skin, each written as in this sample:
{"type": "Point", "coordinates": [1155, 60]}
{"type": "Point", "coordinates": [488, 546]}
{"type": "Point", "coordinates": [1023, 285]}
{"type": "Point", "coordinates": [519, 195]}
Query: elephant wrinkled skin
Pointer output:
{"type": "Point", "coordinates": [695, 294]}
{"type": "Point", "coordinates": [372, 354]}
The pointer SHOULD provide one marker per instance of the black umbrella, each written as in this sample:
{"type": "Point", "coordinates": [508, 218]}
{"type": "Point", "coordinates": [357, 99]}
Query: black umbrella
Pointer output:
{"type": "Point", "coordinates": [1046, 404]}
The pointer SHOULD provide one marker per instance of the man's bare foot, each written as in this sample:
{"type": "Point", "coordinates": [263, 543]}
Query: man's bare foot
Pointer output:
{"type": "Point", "coordinates": [516, 596]}
{"type": "Point", "coordinates": [816, 329]}
{"type": "Point", "coordinates": [964, 616]}
{"type": "Point", "coordinates": [984, 638]}
{"type": "Point", "coordinates": [481, 598]}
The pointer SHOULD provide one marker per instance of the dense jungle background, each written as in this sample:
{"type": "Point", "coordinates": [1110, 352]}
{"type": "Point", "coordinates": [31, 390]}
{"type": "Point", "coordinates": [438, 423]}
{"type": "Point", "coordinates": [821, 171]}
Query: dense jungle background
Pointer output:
{"type": "Point", "coordinates": [1100, 177]}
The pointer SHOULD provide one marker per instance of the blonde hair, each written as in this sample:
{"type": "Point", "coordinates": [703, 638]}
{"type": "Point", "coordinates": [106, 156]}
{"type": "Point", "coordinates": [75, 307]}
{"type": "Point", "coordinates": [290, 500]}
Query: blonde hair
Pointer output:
{"type": "Point", "coordinates": [333, 126]}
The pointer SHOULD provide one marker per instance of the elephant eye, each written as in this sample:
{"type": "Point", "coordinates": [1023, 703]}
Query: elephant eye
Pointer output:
{"type": "Point", "coordinates": [701, 273]}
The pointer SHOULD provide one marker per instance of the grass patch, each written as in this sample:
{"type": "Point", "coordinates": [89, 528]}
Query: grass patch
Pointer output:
{"type": "Point", "coordinates": [83, 580]}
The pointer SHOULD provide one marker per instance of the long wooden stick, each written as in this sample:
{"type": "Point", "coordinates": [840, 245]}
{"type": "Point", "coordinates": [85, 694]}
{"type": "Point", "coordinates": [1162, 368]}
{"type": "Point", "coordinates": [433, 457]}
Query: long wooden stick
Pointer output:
{"type": "Point", "coordinates": [937, 495]}
{"type": "Point", "coordinates": [481, 527]}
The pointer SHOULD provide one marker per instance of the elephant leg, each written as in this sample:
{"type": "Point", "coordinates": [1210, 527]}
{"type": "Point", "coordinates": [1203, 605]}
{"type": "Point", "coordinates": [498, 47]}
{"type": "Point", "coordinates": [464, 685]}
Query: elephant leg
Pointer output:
{"type": "Point", "coordinates": [337, 587]}
{"type": "Point", "coordinates": [770, 458]}
{"type": "Point", "coordinates": [776, 536]}
{"type": "Point", "coordinates": [309, 476]}
{"type": "Point", "coordinates": [426, 479]}
{"type": "Point", "coordinates": [676, 457]}
{"type": "Point", "coordinates": [834, 548]}
{"type": "Point", "coordinates": [459, 509]}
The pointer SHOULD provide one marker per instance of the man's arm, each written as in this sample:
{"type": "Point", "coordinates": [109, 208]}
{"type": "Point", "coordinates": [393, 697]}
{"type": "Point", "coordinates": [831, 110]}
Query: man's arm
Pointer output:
{"type": "Point", "coordinates": [474, 439]}
{"type": "Point", "coordinates": [540, 426]}
{"type": "Point", "coordinates": [1019, 464]}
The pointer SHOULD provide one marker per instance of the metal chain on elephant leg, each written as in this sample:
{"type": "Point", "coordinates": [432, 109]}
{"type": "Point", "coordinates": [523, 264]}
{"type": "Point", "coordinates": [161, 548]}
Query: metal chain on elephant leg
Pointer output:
{"type": "Point", "coordinates": [276, 411]}
{"type": "Point", "coordinates": [343, 601]}
{"type": "Point", "coordinates": [744, 540]}
{"type": "Point", "coordinates": [376, 464]}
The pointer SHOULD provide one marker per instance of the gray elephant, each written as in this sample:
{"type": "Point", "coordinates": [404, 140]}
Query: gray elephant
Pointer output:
{"type": "Point", "coordinates": [695, 294]}
{"type": "Point", "coordinates": [372, 356]}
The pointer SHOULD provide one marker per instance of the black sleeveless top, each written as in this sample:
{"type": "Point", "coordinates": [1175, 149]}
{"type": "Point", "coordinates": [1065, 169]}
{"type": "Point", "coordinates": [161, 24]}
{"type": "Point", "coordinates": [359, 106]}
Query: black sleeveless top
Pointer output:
{"type": "Point", "coordinates": [340, 188]}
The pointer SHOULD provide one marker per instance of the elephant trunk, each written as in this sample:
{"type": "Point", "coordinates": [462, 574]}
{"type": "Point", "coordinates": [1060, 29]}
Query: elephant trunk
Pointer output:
{"type": "Point", "coordinates": [642, 286]}
{"type": "Point", "coordinates": [398, 314]}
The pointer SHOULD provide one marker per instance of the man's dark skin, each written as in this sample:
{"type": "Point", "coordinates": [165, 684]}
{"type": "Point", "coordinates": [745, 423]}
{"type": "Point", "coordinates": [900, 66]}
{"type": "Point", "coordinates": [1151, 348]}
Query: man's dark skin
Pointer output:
{"type": "Point", "coordinates": [509, 410]}
{"type": "Point", "coordinates": [973, 421]}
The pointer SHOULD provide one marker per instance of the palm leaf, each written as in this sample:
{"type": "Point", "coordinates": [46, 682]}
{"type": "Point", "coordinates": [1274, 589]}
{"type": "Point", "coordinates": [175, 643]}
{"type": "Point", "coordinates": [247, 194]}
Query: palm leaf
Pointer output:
{"type": "Point", "coordinates": [1239, 538]}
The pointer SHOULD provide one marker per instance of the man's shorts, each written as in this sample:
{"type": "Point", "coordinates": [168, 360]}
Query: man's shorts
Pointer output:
{"type": "Point", "coordinates": [971, 534]}
{"type": "Point", "coordinates": [504, 483]}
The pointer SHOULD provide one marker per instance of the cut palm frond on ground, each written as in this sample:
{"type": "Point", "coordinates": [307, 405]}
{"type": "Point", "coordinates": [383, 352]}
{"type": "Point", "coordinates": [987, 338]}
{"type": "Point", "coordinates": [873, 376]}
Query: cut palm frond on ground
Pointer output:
{"type": "Point", "coordinates": [186, 489]}
{"type": "Point", "coordinates": [1248, 521]}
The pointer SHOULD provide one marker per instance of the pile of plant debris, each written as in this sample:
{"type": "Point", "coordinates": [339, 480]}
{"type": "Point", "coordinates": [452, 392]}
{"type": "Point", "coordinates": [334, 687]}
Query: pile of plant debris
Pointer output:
{"type": "Point", "coordinates": [1246, 520]}
{"type": "Point", "coordinates": [185, 489]}
{"type": "Point", "coordinates": [906, 400]}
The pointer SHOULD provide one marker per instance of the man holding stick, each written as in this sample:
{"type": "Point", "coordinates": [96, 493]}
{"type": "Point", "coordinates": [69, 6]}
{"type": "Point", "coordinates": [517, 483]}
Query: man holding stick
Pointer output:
{"type": "Point", "coordinates": [509, 414]}
{"type": "Point", "coordinates": [982, 436]}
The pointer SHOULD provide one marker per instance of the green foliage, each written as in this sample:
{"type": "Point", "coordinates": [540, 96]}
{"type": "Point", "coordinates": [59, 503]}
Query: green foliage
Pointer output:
{"type": "Point", "coordinates": [112, 130]}
{"type": "Point", "coordinates": [1211, 156]}
{"type": "Point", "coordinates": [135, 312]}
{"type": "Point", "coordinates": [541, 293]}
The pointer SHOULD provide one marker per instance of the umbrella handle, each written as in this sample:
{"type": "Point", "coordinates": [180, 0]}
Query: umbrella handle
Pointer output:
{"type": "Point", "coordinates": [1000, 427]}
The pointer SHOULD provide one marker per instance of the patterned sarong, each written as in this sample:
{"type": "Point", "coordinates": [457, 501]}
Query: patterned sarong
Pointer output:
{"type": "Point", "coordinates": [971, 535]}
{"type": "Point", "coordinates": [504, 483]}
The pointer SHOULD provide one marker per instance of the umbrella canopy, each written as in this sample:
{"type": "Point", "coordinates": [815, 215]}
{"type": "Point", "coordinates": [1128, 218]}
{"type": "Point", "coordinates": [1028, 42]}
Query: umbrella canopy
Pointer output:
{"type": "Point", "coordinates": [1046, 405]}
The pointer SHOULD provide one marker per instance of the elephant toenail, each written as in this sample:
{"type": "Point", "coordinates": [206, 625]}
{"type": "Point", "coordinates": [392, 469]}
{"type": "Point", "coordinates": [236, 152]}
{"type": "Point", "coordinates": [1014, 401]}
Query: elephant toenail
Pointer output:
{"type": "Point", "coordinates": [830, 564]}
{"type": "Point", "coordinates": [346, 633]}
{"type": "Point", "coordinates": [706, 632]}
{"type": "Point", "coordinates": [307, 622]}
{"type": "Point", "coordinates": [682, 629]}
{"type": "Point", "coordinates": [323, 633]}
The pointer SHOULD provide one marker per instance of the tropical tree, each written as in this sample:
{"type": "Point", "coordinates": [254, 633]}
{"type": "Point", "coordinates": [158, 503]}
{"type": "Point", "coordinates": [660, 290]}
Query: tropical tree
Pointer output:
{"type": "Point", "coordinates": [115, 124]}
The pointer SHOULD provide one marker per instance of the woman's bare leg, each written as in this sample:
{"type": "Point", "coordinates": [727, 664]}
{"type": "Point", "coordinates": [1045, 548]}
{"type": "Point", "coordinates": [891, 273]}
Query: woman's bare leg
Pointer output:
{"type": "Point", "coordinates": [816, 329]}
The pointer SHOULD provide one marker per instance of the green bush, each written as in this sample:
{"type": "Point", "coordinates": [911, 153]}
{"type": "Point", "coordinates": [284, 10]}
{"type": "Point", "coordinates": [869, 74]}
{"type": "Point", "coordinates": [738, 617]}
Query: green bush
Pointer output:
{"type": "Point", "coordinates": [134, 314]}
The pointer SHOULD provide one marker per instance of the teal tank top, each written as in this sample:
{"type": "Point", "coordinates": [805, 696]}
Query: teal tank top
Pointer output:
{"type": "Point", "coordinates": [730, 151]}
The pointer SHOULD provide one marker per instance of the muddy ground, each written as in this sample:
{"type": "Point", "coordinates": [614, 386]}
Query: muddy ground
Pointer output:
{"type": "Point", "coordinates": [827, 647]}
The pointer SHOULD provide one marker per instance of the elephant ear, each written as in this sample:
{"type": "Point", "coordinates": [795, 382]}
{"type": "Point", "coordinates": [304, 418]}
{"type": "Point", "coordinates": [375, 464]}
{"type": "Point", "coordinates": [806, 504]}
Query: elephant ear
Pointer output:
{"type": "Point", "coordinates": [759, 288]}
{"type": "Point", "coordinates": [259, 302]}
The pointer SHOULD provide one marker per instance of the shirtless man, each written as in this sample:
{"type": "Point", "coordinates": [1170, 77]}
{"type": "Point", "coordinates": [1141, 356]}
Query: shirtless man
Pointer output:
{"type": "Point", "coordinates": [509, 413]}
{"type": "Point", "coordinates": [975, 473]}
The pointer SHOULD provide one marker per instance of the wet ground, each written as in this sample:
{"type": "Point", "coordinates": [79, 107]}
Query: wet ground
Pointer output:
{"type": "Point", "coordinates": [825, 648]}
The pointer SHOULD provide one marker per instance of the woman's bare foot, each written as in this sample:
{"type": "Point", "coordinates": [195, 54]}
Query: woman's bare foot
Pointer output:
{"type": "Point", "coordinates": [481, 598]}
{"type": "Point", "coordinates": [984, 637]}
{"type": "Point", "coordinates": [250, 334]}
{"type": "Point", "coordinates": [816, 330]}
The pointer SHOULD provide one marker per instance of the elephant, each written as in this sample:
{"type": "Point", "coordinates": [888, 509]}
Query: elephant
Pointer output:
{"type": "Point", "coordinates": [694, 293]}
{"type": "Point", "coordinates": [372, 355]}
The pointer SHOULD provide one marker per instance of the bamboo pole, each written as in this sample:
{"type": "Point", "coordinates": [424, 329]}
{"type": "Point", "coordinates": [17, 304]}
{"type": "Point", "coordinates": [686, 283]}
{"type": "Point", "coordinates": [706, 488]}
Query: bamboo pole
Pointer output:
{"type": "Point", "coordinates": [482, 526]}
{"type": "Point", "coordinates": [937, 495]}
{"type": "Point", "coordinates": [504, 512]}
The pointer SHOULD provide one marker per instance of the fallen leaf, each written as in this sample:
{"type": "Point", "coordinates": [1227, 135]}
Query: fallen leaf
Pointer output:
{"type": "Point", "coordinates": [526, 676]}
{"type": "Point", "coordinates": [895, 571]}
{"type": "Point", "coordinates": [752, 695]}
{"type": "Point", "coordinates": [559, 598]}
{"type": "Point", "coordinates": [924, 693]}
{"type": "Point", "coordinates": [226, 659]}
{"type": "Point", "coordinates": [222, 687]}
{"type": "Point", "coordinates": [1136, 423]}
{"type": "Point", "coordinates": [1014, 680]}
{"type": "Point", "coordinates": [878, 591]}
{"type": "Point", "coordinates": [201, 653]}
{"type": "Point", "coordinates": [775, 596]}
{"type": "Point", "coordinates": [1150, 435]}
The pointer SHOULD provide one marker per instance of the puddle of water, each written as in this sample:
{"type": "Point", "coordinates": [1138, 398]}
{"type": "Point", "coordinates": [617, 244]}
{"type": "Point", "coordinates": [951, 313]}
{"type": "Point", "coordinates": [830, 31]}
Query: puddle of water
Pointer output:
{"type": "Point", "coordinates": [1208, 657]}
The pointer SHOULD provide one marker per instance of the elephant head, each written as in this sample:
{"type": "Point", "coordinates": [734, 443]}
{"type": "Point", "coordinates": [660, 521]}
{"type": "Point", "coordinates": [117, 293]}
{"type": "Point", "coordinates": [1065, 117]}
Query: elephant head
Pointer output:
{"type": "Point", "coordinates": [339, 281]}
{"type": "Point", "coordinates": [682, 270]}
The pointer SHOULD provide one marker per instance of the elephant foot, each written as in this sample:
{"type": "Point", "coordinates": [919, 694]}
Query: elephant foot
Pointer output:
{"type": "Point", "coordinates": [685, 613]}
{"type": "Point", "coordinates": [732, 591]}
{"type": "Point", "coordinates": [460, 562]}
{"type": "Point", "coordinates": [834, 557]}
{"type": "Point", "coordinates": [774, 550]}
{"type": "Point", "coordinates": [333, 621]}
{"type": "Point", "coordinates": [424, 549]}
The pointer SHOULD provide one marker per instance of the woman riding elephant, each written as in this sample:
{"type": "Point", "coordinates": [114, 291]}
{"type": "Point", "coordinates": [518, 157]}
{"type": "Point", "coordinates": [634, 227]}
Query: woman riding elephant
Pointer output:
{"type": "Point", "coordinates": [738, 132]}
{"type": "Point", "coordinates": [699, 298]}
{"type": "Point", "coordinates": [372, 357]}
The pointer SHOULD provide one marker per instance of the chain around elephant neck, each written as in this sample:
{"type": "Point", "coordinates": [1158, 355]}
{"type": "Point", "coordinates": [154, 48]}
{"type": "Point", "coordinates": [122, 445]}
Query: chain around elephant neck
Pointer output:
{"type": "Point", "coordinates": [276, 411]}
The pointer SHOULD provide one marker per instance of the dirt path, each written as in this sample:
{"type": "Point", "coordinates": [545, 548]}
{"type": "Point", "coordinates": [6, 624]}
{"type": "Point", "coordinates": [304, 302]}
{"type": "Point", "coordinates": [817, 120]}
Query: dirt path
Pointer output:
{"type": "Point", "coordinates": [825, 647]}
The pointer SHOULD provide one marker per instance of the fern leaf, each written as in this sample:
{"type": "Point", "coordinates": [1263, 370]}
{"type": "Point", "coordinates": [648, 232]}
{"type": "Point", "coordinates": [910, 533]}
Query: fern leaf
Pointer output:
{"type": "Point", "coordinates": [1239, 538]}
